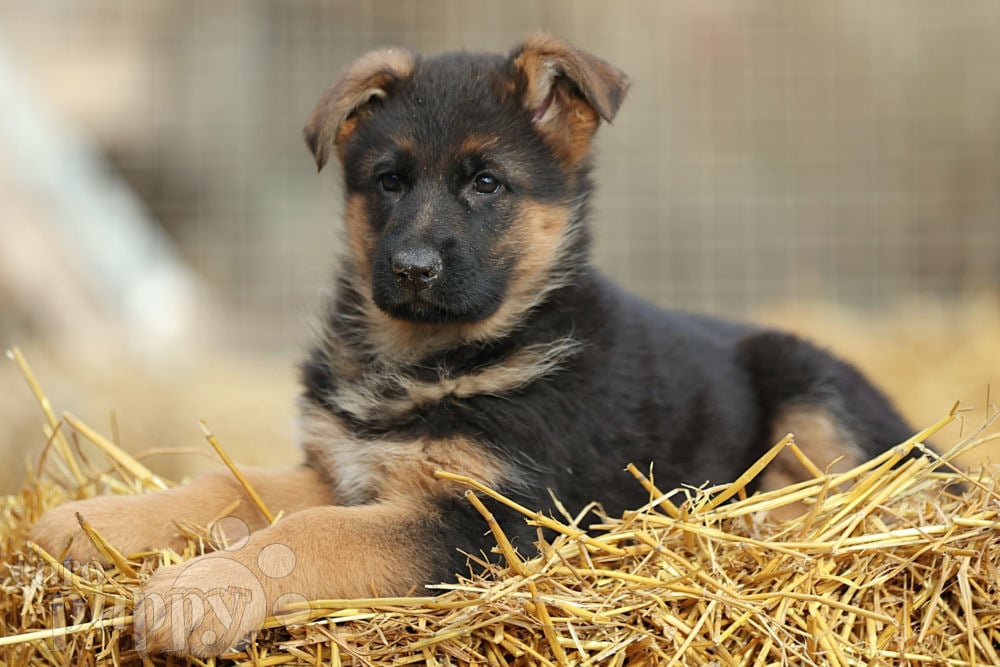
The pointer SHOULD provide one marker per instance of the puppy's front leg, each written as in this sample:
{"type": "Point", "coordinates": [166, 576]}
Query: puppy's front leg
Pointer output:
{"type": "Point", "coordinates": [208, 604]}
{"type": "Point", "coordinates": [148, 521]}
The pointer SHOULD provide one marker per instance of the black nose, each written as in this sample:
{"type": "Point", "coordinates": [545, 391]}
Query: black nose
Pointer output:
{"type": "Point", "coordinates": [417, 268]}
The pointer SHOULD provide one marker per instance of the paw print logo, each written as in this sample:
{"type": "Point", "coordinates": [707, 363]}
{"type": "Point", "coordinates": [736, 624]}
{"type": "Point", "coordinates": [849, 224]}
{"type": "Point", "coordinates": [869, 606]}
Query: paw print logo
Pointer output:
{"type": "Point", "coordinates": [215, 602]}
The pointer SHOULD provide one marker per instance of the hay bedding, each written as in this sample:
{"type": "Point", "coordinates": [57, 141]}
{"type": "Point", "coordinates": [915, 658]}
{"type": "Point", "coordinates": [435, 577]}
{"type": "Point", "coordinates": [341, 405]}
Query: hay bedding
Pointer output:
{"type": "Point", "coordinates": [888, 565]}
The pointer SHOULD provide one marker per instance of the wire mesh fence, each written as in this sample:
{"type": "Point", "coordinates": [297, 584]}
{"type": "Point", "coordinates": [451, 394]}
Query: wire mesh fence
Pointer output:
{"type": "Point", "coordinates": [846, 151]}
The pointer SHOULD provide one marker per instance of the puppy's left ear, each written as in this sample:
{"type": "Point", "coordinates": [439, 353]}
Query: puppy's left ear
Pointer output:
{"type": "Point", "coordinates": [371, 78]}
{"type": "Point", "coordinates": [567, 91]}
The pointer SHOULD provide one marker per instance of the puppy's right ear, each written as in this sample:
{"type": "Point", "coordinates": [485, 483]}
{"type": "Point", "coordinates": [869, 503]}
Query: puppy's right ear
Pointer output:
{"type": "Point", "coordinates": [371, 77]}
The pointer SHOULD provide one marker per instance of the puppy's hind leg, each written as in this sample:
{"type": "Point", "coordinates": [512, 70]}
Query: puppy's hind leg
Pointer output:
{"type": "Point", "coordinates": [838, 417]}
{"type": "Point", "coordinates": [149, 521]}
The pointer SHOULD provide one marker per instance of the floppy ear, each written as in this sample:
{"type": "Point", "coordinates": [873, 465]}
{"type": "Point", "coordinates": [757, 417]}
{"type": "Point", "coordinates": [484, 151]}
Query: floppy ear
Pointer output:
{"type": "Point", "coordinates": [567, 91]}
{"type": "Point", "coordinates": [369, 78]}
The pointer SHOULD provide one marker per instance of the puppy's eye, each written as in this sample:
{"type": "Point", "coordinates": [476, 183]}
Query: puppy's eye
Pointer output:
{"type": "Point", "coordinates": [390, 181]}
{"type": "Point", "coordinates": [486, 184]}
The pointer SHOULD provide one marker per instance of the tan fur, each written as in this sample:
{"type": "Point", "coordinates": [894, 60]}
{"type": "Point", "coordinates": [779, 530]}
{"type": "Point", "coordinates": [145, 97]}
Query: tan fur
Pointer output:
{"type": "Point", "coordinates": [822, 441]}
{"type": "Point", "coordinates": [520, 370]}
{"type": "Point", "coordinates": [208, 604]}
{"type": "Point", "coordinates": [539, 239]}
{"type": "Point", "coordinates": [137, 523]}
{"type": "Point", "coordinates": [360, 239]}
{"type": "Point", "coordinates": [333, 120]}
{"type": "Point", "coordinates": [479, 144]}
{"type": "Point", "coordinates": [317, 550]}
{"type": "Point", "coordinates": [576, 87]}
{"type": "Point", "coordinates": [362, 471]}
{"type": "Point", "coordinates": [550, 55]}
{"type": "Point", "coordinates": [367, 397]}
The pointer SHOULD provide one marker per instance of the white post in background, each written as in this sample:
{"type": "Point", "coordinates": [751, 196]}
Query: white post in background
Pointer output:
{"type": "Point", "coordinates": [74, 237]}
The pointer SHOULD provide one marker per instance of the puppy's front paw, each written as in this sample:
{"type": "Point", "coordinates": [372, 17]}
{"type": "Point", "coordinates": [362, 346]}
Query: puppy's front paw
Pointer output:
{"type": "Point", "coordinates": [130, 523]}
{"type": "Point", "coordinates": [59, 533]}
{"type": "Point", "coordinates": [203, 607]}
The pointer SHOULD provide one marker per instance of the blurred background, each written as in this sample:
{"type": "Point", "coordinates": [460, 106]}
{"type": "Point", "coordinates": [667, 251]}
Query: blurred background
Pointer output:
{"type": "Point", "coordinates": [832, 168]}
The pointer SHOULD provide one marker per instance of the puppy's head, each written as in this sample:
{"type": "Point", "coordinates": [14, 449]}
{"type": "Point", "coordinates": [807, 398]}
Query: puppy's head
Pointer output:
{"type": "Point", "coordinates": [463, 171]}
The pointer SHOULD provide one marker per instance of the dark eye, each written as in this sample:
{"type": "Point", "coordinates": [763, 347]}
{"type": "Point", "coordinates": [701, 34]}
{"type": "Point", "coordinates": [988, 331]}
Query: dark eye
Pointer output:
{"type": "Point", "coordinates": [486, 184]}
{"type": "Point", "coordinates": [390, 181]}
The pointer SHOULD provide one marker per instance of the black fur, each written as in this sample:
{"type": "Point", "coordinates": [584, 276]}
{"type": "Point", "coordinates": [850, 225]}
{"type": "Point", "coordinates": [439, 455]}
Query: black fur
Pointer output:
{"type": "Point", "coordinates": [694, 397]}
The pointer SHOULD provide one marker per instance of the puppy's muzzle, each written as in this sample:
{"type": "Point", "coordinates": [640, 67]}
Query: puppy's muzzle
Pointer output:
{"type": "Point", "coordinates": [416, 269]}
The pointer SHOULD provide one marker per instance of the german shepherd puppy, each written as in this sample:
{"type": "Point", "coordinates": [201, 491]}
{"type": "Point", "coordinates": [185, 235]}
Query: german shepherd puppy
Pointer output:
{"type": "Point", "coordinates": [469, 332]}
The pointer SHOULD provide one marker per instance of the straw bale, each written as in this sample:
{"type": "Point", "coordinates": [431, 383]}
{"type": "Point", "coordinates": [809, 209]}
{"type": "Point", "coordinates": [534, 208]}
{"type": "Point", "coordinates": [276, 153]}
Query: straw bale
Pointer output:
{"type": "Point", "coordinates": [894, 562]}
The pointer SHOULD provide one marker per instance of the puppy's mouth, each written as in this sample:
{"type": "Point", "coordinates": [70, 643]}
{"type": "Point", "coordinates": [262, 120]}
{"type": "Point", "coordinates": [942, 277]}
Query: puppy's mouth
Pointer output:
{"type": "Point", "coordinates": [439, 303]}
{"type": "Point", "coordinates": [423, 308]}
